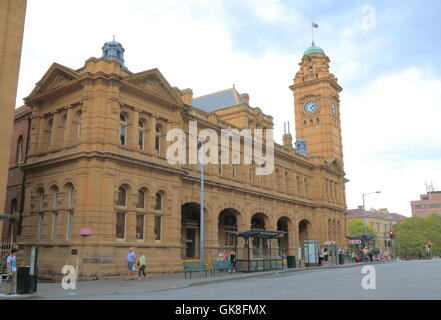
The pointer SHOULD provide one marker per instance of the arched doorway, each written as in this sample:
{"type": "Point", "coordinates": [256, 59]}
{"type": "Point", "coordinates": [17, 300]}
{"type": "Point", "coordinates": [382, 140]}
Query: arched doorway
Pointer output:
{"type": "Point", "coordinates": [282, 225]}
{"type": "Point", "coordinates": [227, 222]}
{"type": "Point", "coordinates": [190, 230]}
{"type": "Point", "coordinates": [304, 231]}
{"type": "Point", "coordinates": [259, 244]}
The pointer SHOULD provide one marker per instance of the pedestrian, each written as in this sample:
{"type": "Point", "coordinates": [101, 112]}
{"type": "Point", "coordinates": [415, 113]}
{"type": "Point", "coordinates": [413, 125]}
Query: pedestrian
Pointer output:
{"type": "Point", "coordinates": [325, 254]}
{"type": "Point", "coordinates": [141, 266]}
{"type": "Point", "coordinates": [321, 256]}
{"type": "Point", "coordinates": [131, 258]}
{"type": "Point", "coordinates": [233, 259]}
{"type": "Point", "coordinates": [11, 264]}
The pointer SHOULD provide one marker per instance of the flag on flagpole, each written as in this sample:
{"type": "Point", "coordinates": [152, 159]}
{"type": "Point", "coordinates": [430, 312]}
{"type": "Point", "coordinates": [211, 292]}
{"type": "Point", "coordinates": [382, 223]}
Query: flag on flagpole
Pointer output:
{"type": "Point", "coordinates": [314, 25]}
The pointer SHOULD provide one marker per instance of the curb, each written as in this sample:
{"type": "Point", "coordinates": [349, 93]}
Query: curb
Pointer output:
{"type": "Point", "coordinates": [203, 282]}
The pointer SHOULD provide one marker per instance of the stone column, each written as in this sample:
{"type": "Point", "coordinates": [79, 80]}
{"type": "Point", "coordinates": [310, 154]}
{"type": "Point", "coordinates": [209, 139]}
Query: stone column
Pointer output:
{"type": "Point", "coordinates": [134, 130]}
{"type": "Point", "coordinates": [34, 137]}
{"type": "Point", "coordinates": [150, 147]}
{"type": "Point", "coordinates": [41, 132]}
{"type": "Point", "coordinates": [54, 130]}
{"type": "Point", "coordinates": [68, 130]}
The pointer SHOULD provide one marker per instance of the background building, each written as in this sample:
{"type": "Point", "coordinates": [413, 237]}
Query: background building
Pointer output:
{"type": "Point", "coordinates": [381, 221]}
{"type": "Point", "coordinates": [97, 181]}
{"type": "Point", "coordinates": [428, 204]}
{"type": "Point", "coordinates": [12, 17]}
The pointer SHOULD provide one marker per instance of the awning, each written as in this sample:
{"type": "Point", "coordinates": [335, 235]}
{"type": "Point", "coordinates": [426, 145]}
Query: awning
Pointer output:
{"type": "Point", "coordinates": [6, 216]}
{"type": "Point", "coordinates": [257, 233]}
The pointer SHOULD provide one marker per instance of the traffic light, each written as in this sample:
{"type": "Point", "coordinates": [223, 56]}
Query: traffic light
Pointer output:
{"type": "Point", "coordinates": [391, 234]}
{"type": "Point", "coordinates": [429, 245]}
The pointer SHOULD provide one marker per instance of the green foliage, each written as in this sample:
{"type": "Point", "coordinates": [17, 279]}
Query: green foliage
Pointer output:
{"type": "Point", "coordinates": [414, 233]}
{"type": "Point", "coordinates": [356, 228]}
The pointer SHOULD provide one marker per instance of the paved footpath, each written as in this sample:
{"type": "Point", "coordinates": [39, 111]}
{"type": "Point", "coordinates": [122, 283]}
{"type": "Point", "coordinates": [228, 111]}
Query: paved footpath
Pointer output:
{"type": "Point", "coordinates": [88, 289]}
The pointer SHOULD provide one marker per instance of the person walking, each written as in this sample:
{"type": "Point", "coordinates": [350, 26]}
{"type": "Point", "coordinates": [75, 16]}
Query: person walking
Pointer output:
{"type": "Point", "coordinates": [131, 258]}
{"type": "Point", "coordinates": [325, 254]}
{"type": "Point", "coordinates": [141, 266]}
{"type": "Point", "coordinates": [321, 256]}
{"type": "Point", "coordinates": [11, 264]}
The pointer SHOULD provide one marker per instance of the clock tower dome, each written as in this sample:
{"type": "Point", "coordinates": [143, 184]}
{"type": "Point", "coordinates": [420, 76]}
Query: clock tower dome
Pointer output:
{"type": "Point", "coordinates": [317, 106]}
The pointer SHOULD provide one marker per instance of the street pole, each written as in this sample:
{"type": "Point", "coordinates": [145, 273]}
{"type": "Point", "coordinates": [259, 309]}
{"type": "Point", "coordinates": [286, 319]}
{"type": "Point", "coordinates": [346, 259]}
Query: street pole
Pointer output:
{"type": "Point", "coordinates": [202, 236]}
{"type": "Point", "coordinates": [364, 217]}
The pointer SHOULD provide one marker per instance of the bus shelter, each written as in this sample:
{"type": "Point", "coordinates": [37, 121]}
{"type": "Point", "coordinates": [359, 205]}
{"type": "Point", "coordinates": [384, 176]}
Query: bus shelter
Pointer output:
{"type": "Point", "coordinates": [261, 250]}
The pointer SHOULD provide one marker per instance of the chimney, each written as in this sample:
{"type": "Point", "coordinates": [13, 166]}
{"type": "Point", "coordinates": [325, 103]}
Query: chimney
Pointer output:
{"type": "Point", "coordinates": [187, 96]}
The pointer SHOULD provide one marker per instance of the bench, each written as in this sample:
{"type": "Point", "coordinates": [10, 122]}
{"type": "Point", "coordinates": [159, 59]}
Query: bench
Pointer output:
{"type": "Point", "coordinates": [194, 266]}
{"type": "Point", "coordinates": [222, 265]}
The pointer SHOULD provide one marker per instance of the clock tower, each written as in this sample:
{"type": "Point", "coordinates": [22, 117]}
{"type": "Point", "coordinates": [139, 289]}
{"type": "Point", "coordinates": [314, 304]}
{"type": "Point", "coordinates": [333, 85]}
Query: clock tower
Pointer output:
{"type": "Point", "coordinates": [317, 106]}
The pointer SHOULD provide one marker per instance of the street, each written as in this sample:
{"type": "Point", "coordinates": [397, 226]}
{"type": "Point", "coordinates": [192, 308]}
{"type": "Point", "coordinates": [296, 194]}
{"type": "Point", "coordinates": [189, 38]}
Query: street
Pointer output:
{"type": "Point", "coordinates": [398, 280]}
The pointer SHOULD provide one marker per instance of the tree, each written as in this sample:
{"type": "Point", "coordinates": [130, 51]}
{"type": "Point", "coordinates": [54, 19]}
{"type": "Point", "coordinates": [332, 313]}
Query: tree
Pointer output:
{"type": "Point", "coordinates": [414, 233]}
{"type": "Point", "coordinates": [356, 228]}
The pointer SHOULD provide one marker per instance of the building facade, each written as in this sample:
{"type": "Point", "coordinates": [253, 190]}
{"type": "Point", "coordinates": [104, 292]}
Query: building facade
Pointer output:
{"type": "Point", "coordinates": [428, 204]}
{"type": "Point", "coordinates": [98, 180]}
{"type": "Point", "coordinates": [382, 221]}
{"type": "Point", "coordinates": [15, 188]}
{"type": "Point", "coordinates": [12, 18]}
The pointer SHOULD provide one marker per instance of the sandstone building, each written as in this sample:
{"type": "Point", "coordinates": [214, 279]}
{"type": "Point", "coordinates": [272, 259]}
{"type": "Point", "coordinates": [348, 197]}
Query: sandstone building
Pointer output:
{"type": "Point", "coordinates": [97, 180]}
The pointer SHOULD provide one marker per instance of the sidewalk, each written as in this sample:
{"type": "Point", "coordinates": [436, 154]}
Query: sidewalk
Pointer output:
{"type": "Point", "coordinates": [54, 291]}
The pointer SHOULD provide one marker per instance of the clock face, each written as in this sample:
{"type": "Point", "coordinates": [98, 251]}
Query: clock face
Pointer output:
{"type": "Point", "coordinates": [334, 109]}
{"type": "Point", "coordinates": [310, 107]}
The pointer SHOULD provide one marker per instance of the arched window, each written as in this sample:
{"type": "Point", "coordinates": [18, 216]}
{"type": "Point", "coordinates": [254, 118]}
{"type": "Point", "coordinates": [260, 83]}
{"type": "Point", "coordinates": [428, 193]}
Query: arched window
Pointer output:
{"type": "Point", "coordinates": [122, 129]}
{"type": "Point", "coordinates": [71, 196]}
{"type": "Point", "coordinates": [77, 124]}
{"type": "Point", "coordinates": [40, 195]}
{"type": "Point", "coordinates": [141, 128]}
{"type": "Point", "coordinates": [158, 140]}
{"type": "Point", "coordinates": [141, 199]}
{"type": "Point", "coordinates": [122, 197]}
{"type": "Point", "coordinates": [54, 192]}
{"type": "Point", "coordinates": [19, 152]}
{"type": "Point", "coordinates": [158, 201]}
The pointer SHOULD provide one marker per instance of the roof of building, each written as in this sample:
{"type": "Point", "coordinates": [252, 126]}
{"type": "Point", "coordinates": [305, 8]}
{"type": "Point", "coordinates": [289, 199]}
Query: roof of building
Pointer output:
{"type": "Point", "coordinates": [358, 213]}
{"type": "Point", "coordinates": [218, 100]}
{"type": "Point", "coordinates": [23, 110]}
{"type": "Point", "coordinates": [313, 49]}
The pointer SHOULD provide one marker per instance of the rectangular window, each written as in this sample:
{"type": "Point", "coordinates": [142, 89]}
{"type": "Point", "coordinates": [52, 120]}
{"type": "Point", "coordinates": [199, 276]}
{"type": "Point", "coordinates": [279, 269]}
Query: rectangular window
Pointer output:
{"type": "Point", "coordinates": [140, 226]}
{"type": "Point", "coordinates": [141, 140]}
{"type": "Point", "coordinates": [54, 225]}
{"type": "Point", "coordinates": [69, 226]}
{"type": "Point", "coordinates": [122, 135]}
{"type": "Point", "coordinates": [120, 225]}
{"type": "Point", "coordinates": [158, 222]}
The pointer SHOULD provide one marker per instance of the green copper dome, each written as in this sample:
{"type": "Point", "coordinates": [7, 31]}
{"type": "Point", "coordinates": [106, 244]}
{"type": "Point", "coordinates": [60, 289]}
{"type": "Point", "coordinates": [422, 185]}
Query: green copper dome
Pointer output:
{"type": "Point", "coordinates": [313, 49]}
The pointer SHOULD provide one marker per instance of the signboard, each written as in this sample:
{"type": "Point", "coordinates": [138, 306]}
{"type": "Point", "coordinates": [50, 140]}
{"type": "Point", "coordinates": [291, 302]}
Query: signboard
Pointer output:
{"type": "Point", "coordinates": [85, 231]}
{"type": "Point", "coordinates": [354, 241]}
{"type": "Point", "coordinates": [311, 251]}
{"type": "Point", "coordinates": [32, 261]}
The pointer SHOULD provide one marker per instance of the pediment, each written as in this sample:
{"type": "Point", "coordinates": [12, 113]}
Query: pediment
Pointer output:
{"type": "Point", "coordinates": [154, 82]}
{"type": "Point", "coordinates": [55, 77]}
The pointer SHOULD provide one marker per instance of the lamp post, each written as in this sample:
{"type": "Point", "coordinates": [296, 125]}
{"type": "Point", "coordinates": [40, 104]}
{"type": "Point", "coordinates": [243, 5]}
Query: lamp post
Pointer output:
{"type": "Point", "coordinates": [202, 218]}
{"type": "Point", "coordinates": [364, 210]}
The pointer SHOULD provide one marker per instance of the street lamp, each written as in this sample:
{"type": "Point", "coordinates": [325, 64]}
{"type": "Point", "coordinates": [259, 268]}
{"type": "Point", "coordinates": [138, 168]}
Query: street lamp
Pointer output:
{"type": "Point", "coordinates": [201, 157]}
{"type": "Point", "coordinates": [364, 210]}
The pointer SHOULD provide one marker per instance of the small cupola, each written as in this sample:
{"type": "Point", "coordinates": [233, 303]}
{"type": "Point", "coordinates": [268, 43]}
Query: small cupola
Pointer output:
{"type": "Point", "coordinates": [114, 50]}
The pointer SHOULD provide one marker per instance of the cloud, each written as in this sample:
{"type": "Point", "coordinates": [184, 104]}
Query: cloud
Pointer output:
{"type": "Point", "coordinates": [391, 138]}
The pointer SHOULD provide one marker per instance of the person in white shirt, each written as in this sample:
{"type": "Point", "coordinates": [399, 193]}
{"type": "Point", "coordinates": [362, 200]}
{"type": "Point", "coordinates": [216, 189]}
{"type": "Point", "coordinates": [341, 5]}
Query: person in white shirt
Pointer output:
{"type": "Point", "coordinates": [11, 264]}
